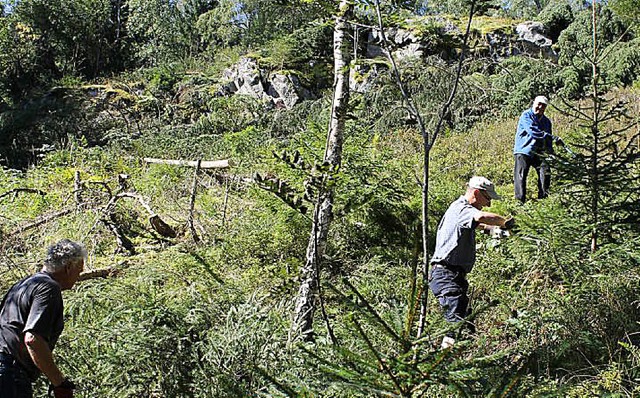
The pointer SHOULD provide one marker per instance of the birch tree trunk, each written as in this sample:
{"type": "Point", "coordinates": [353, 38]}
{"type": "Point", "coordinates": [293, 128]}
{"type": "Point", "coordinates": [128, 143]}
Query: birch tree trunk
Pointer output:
{"type": "Point", "coordinates": [323, 211]}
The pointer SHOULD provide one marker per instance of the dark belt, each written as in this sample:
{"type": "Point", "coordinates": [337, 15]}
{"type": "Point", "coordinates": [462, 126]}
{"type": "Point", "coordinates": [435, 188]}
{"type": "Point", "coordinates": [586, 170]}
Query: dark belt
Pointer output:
{"type": "Point", "coordinates": [7, 358]}
{"type": "Point", "coordinates": [450, 267]}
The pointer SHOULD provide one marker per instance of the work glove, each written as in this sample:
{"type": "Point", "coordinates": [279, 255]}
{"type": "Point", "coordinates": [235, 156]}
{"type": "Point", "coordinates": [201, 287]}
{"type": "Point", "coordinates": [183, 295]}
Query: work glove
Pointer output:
{"type": "Point", "coordinates": [64, 390]}
{"type": "Point", "coordinates": [558, 140]}
{"type": "Point", "coordinates": [499, 233]}
{"type": "Point", "coordinates": [510, 224]}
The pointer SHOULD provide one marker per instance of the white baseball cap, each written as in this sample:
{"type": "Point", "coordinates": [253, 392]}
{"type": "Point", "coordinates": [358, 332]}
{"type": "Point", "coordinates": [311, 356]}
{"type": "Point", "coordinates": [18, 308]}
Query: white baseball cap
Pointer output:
{"type": "Point", "coordinates": [541, 99]}
{"type": "Point", "coordinates": [484, 184]}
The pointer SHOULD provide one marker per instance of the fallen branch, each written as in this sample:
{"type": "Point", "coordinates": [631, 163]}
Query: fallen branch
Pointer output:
{"type": "Point", "coordinates": [40, 222]}
{"type": "Point", "coordinates": [16, 190]}
{"type": "Point", "coordinates": [137, 197]}
{"type": "Point", "coordinates": [205, 164]}
{"type": "Point", "coordinates": [156, 222]}
{"type": "Point", "coordinates": [100, 273]}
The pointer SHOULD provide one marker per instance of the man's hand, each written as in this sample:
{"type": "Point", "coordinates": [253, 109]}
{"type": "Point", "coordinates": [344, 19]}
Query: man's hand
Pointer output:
{"type": "Point", "coordinates": [499, 233]}
{"type": "Point", "coordinates": [558, 140]}
{"type": "Point", "coordinates": [64, 390]}
{"type": "Point", "coordinates": [509, 224]}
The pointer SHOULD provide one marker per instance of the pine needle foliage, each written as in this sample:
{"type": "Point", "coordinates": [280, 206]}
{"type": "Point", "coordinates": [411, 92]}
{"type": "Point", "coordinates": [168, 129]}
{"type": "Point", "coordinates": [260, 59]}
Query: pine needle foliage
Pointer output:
{"type": "Point", "coordinates": [375, 358]}
{"type": "Point", "coordinates": [602, 172]}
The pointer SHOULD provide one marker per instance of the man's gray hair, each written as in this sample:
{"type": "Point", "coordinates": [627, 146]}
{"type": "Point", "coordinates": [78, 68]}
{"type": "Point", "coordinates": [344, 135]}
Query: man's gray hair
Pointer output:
{"type": "Point", "coordinates": [63, 253]}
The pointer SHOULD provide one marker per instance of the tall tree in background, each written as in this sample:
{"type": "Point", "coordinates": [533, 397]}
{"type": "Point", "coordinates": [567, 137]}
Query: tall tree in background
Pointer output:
{"type": "Point", "coordinates": [158, 31]}
{"type": "Point", "coordinates": [21, 68]}
{"type": "Point", "coordinates": [41, 41]}
{"type": "Point", "coordinates": [78, 36]}
{"type": "Point", "coordinates": [323, 211]}
{"type": "Point", "coordinates": [251, 23]}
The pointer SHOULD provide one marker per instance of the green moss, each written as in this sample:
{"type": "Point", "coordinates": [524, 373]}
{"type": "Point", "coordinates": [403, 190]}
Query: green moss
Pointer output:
{"type": "Point", "coordinates": [485, 24]}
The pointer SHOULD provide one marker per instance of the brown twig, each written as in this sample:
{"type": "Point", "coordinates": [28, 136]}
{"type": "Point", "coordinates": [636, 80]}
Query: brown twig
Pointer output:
{"type": "Point", "coordinates": [15, 191]}
{"type": "Point", "coordinates": [40, 222]}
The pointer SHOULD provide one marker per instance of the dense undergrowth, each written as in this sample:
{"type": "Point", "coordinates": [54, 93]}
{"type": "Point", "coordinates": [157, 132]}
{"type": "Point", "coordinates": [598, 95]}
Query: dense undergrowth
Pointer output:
{"type": "Point", "coordinates": [186, 319]}
{"type": "Point", "coordinates": [204, 310]}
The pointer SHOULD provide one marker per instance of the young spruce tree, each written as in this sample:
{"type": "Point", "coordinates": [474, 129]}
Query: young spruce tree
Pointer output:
{"type": "Point", "coordinates": [601, 172]}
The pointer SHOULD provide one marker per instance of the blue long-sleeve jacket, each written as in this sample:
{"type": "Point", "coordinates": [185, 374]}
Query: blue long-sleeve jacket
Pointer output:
{"type": "Point", "coordinates": [533, 135]}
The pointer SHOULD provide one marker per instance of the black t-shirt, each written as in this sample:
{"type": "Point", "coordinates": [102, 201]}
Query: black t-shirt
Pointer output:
{"type": "Point", "coordinates": [34, 305]}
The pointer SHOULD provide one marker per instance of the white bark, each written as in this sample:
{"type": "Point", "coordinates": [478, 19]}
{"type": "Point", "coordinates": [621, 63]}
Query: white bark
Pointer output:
{"type": "Point", "coordinates": [323, 213]}
{"type": "Point", "coordinates": [203, 164]}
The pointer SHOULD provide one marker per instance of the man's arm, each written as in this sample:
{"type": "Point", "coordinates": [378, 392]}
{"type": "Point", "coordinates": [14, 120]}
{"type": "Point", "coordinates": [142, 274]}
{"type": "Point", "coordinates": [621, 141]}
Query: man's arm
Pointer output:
{"type": "Point", "coordinates": [43, 357]}
{"type": "Point", "coordinates": [528, 124]}
{"type": "Point", "coordinates": [486, 220]}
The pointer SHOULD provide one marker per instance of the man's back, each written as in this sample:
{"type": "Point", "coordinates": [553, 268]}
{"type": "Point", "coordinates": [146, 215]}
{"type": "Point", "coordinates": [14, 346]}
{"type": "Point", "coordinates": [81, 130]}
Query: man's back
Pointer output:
{"type": "Point", "coordinates": [455, 239]}
{"type": "Point", "coordinates": [32, 304]}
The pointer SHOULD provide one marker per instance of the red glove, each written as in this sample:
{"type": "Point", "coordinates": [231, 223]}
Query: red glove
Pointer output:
{"type": "Point", "coordinates": [64, 390]}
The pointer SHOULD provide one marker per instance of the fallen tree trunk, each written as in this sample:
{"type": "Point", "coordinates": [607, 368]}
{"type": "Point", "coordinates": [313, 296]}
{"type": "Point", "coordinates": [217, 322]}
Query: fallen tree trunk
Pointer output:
{"type": "Point", "coordinates": [205, 164]}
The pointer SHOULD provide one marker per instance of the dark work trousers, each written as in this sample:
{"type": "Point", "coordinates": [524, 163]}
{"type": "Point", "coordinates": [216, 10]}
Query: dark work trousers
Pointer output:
{"type": "Point", "coordinates": [522, 165]}
{"type": "Point", "coordinates": [450, 288]}
{"type": "Point", "coordinates": [14, 382]}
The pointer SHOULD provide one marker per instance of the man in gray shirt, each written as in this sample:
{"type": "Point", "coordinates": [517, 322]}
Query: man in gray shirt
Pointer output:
{"type": "Point", "coordinates": [455, 252]}
{"type": "Point", "coordinates": [31, 321]}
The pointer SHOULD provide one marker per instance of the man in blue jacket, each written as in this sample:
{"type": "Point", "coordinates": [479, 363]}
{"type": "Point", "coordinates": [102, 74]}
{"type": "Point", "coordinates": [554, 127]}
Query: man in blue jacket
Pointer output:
{"type": "Point", "coordinates": [533, 140]}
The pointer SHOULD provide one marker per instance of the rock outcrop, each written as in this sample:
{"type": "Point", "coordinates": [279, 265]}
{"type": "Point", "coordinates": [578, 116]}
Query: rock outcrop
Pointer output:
{"type": "Point", "coordinates": [531, 37]}
{"type": "Point", "coordinates": [404, 44]}
{"type": "Point", "coordinates": [279, 89]}
{"type": "Point", "coordinates": [284, 90]}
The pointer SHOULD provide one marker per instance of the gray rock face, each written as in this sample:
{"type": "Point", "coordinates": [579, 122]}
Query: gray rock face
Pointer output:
{"type": "Point", "coordinates": [285, 90]}
{"type": "Point", "coordinates": [244, 73]}
{"type": "Point", "coordinates": [403, 42]}
{"type": "Point", "coordinates": [362, 77]}
{"type": "Point", "coordinates": [531, 37]}
{"type": "Point", "coordinates": [246, 78]}
{"type": "Point", "coordinates": [533, 32]}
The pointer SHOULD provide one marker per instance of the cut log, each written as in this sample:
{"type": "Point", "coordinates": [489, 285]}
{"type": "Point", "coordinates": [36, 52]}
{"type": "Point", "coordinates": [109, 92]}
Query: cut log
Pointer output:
{"type": "Point", "coordinates": [205, 164]}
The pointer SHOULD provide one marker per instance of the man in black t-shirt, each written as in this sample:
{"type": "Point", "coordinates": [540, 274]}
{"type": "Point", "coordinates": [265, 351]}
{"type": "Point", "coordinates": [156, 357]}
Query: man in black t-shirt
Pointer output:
{"type": "Point", "coordinates": [31, 322]}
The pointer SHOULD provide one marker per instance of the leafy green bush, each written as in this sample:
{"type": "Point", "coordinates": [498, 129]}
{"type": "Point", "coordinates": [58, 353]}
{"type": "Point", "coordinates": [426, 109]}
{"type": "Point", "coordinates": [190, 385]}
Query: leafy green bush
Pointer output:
{"type": "Point", "coordinates": [162, 79]}
{"type": "Point", "coordinates": [304, 46]}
